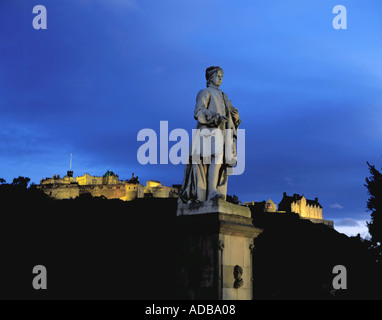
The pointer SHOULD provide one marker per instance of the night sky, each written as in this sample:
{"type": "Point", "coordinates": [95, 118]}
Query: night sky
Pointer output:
{"type": "Point", "coordinates": [309, 96]}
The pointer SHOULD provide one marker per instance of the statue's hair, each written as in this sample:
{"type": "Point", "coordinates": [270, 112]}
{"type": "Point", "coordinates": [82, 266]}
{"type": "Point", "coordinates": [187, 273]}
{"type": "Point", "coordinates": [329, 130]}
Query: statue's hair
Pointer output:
{"type": "Point", "coordinates": [211, 70]}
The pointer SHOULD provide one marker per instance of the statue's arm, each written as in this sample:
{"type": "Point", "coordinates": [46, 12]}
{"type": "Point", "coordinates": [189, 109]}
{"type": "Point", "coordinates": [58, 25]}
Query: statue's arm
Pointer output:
{"type": "Point", "coordinates": [233, 111]}
{"type": "Point", "coordinates": [235, 116]}
{"type": "Point", "coordinates": [202, 114]}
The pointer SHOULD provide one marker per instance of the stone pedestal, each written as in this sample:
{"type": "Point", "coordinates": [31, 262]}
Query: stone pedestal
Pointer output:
{"type": "Point", "coordinates": [213, 238]}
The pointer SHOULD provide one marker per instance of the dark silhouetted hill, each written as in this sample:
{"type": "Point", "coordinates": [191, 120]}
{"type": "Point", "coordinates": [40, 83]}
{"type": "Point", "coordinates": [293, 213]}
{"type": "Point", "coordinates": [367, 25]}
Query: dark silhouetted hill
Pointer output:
{"type": "Point", "coordinates": [294, 259]}
{"type": "Point", "coordinates": [94, 248]}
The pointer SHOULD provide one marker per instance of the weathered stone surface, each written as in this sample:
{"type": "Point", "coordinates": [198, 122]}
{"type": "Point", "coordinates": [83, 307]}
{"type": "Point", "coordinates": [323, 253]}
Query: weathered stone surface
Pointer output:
{"type": "Point", "coordinates": [213, 238]}
{"type": "Point", "coordinates": [206, 176]}
{"type": "Point", "coordinates": [213, 206]}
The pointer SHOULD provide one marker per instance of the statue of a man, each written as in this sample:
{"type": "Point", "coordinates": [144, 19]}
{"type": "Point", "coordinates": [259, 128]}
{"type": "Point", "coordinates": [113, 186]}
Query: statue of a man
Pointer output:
{"type": "Point", "coordinates": [206, 175]}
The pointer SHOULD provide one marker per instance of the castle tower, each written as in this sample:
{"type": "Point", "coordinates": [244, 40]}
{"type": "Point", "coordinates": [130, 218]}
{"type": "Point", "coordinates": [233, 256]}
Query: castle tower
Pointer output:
{"type": "Point", "coordinates": [270, 206]}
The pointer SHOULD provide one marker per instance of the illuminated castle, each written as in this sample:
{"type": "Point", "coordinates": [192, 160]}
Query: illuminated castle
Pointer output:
{"type": "Point", "coordinates": [310, 209]}
{"type": "Point", "coordinates": [305, 208]}
{"type": "Point", "coordinates": [108, 186]}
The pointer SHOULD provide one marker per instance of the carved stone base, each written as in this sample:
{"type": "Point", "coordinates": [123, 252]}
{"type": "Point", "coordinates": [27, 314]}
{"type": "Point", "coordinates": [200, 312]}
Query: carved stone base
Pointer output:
{"type": "Point", "coordinates": [215, 244]}
{"type": "Point", "coordinates": [213, 206]}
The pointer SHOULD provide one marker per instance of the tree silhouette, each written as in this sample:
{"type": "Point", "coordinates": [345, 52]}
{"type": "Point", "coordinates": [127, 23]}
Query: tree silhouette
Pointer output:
{"type": "Point", "coordinates": [21, 182]}
{"type": "Point", "coordinates": [374, 204]}
{"type": "Point", "coordinates": [2, 181]}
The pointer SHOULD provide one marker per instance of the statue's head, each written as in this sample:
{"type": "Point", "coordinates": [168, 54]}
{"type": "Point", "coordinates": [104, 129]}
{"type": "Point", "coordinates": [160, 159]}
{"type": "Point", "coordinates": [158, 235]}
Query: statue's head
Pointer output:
{"type": "Point", "coordinates": [214, 75]}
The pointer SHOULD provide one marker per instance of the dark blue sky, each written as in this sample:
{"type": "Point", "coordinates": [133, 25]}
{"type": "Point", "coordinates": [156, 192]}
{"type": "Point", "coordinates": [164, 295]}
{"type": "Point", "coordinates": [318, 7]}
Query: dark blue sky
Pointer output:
{"type": "Point", "coordinates": [309, 96]}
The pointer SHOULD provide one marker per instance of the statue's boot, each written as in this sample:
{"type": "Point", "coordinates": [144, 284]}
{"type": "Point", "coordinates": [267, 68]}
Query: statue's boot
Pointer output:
{"type": "Point", "coordinates": [213, 177]}
{"type": "Point", "coordinates": [214, 194]}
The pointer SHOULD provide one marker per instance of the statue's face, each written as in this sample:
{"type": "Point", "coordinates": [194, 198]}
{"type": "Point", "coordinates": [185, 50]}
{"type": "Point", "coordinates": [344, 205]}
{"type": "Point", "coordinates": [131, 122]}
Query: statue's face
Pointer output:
{"type": "Point", "coordinates": [217, 78]}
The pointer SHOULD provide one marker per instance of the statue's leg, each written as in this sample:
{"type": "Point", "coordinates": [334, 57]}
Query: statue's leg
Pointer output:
{"type": "Point", "coordinates": [213, 179]}
{"type": "Point", "coordinates": [222, 182]}
{"type": "Point", "coordinates": [200, 181]}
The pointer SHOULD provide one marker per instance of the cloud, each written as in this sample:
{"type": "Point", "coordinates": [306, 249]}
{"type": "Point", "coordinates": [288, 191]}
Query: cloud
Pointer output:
{"type": "Point", "coordinates": [129, 4]}
{"type": "Point", "coordinates": [19, 141]}
{"type": "Point", "coordinates": [289, 181]}
{"type": "Point", "coordinates": [113, 5]}
{"type": "Point", "coordinates": [159, 69]}
{"type": "Point", "coordinates": [347, 222]}
{"type": "Point", "coordinates": [352, 227]}
{"type": "Point", "coordinates": [336, 206]}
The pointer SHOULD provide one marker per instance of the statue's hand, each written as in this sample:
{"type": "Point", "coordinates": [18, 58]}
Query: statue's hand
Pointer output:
{"type": "Point", "coordinates": [233, 110]}
{"type": "Point", "coordinates": [222, 119]}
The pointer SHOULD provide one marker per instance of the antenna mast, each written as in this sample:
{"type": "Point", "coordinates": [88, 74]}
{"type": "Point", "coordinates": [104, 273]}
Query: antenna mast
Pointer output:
{"type": "Point", "coordinates": [70, 172]}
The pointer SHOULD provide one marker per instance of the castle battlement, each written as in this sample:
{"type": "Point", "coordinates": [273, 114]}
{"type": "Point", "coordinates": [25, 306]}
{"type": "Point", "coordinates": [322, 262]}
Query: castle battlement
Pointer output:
{"type": "Point", "coordinates": [305, 208]}
{"type": "Point", "coordinates": [108, 186]}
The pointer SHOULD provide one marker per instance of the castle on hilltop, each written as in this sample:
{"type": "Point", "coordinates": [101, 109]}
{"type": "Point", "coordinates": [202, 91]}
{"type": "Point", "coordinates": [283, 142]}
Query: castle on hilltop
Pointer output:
{"type": "Point", "coordinates": [111, 187]}
{"type": "Point", "coordinates": [108, 186]}
{"type": "Point", "coordinates": [305, 208]}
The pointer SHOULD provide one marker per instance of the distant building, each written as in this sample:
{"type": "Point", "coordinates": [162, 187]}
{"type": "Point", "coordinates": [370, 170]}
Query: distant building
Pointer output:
{"type": "Point", "coordinates": [305, 208]}
{"type": "Point", "coordinates": [299, 204]}
{"type": "Point", "coordinates": [108, 178]}
{"type": "Point", "coordinates": [263, 206]}
{"type": "Point", "coordinates": [108, 186]}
